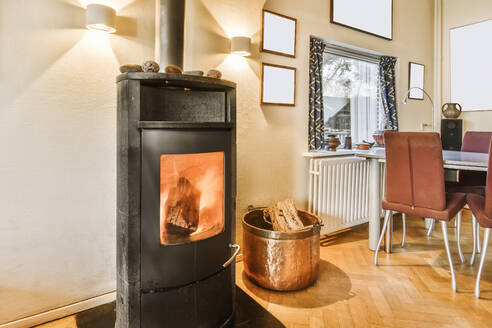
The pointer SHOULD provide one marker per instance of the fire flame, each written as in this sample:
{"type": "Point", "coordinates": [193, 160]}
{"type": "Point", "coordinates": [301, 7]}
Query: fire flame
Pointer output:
{"type": "Point", "coordinates": [205, 171]}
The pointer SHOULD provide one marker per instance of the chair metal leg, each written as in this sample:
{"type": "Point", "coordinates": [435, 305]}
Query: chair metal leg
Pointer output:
{"type": "Point", "coordinates": [474, 232]}
{"type": "Point", "coordinates": [444, 227]}
{"type": "Point", "coordinates": [386, 219]}
{"type": "Point", "coordinates": [458, 235]}
{"type": "Point", "coordinates": [429, 231]}
{"type": "Point", "coordinates": [404, 223]}
{"type": "Point", "coordinates": [388, 241]}
{"type": "Point", "coordinates": [478, 238]}
{"type": "Point", "coordinates": [482, 261]}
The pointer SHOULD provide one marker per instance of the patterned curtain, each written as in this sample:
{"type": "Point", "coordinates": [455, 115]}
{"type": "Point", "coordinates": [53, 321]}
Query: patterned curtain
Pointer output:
{"type": "Point", "coordinates": [316, 121]}
{"type": "Point", "coordinates": [388, 94]}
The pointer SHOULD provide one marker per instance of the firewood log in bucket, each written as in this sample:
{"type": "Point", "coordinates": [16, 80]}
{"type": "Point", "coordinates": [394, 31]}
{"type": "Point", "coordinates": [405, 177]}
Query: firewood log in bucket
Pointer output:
{"type": "Point", "coordinates": [283, 216]}
{"type": "Point", "coordinates": [280, 260]}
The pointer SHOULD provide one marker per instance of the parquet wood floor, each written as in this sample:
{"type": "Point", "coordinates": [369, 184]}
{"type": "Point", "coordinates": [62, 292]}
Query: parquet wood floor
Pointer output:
{"type": "Point", "coordinates": [410, 288]}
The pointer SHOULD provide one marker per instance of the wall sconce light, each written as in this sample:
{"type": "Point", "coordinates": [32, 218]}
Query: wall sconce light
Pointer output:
{"type": "Point", "coordinates": [241, 45]}
{"type": "Point", "coordinates": [100, 18]}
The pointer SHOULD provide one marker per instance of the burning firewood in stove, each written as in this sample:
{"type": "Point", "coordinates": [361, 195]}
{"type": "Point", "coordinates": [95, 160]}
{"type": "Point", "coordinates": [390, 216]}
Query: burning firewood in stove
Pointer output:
{"type": "Point", "coordinates": [182, 208]}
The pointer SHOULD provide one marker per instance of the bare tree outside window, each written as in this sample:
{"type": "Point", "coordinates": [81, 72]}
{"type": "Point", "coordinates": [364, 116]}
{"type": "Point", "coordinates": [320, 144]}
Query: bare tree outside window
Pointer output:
{"type": "Point", "coordinates": [350, 97]}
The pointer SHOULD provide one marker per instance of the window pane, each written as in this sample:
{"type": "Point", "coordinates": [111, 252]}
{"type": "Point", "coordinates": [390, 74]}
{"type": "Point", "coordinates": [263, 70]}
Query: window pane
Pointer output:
{"type": "Point", "coordinates": [350, 98]}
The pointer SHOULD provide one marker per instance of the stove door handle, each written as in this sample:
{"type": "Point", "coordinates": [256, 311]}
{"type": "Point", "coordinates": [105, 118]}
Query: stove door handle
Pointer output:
{"type": "Point", "coordinates": [229, 261]}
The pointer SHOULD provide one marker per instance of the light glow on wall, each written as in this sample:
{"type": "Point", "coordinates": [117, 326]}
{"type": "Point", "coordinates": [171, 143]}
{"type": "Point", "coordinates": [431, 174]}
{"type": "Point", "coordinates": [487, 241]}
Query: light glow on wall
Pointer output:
{"type": "Point", "coordinates": [234, 62]}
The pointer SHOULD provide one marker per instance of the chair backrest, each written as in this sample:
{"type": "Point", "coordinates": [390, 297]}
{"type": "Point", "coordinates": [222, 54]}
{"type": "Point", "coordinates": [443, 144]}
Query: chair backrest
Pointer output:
{"type": "Point", "coordinates": [414, 169]}
{"type": "Point", "coordinates": [488, 190]}
{"type": "Point", "coordinates": [477, 142]}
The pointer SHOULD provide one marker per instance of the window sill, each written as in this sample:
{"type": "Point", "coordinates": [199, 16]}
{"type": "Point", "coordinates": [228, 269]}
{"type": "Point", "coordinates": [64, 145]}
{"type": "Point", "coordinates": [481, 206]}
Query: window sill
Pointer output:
{"type": "Point", "coordinates": [326, 153]}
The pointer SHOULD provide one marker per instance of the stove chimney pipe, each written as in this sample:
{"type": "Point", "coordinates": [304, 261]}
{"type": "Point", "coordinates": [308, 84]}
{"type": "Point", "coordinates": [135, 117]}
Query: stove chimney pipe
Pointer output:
{"type": "Point", "coordinates": [170, 32]}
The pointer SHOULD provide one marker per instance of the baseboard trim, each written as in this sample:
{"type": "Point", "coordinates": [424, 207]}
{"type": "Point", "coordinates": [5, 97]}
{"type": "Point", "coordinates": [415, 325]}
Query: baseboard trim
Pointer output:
{"type": "Point", "coordinates": [61, 312]}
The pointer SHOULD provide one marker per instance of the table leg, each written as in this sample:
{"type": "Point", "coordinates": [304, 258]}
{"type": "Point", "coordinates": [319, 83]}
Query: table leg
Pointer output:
{"type": "Point", "coordinates": [374, 202]}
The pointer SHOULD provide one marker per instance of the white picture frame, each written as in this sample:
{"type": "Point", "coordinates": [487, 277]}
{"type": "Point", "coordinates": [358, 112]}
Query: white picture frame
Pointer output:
{"type": "Point", "coordinates": [278, 85]}
{"type": "Point", "coordinates": [416, 73]}
{"type": "Point", "coordinates": [278, 34]}
{"type": "Point", "coordinates": [471, 67]}
{"type": "Point", "coordinates": [374, 17]}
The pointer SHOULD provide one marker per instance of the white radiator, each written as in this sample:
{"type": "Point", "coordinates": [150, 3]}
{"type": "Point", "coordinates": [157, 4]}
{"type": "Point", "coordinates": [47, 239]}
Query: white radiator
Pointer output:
{"type": "Point", "coordinates": [338, 192]}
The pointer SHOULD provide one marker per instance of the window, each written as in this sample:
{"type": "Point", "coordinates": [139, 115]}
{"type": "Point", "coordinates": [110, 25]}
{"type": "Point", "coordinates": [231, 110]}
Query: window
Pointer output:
{"type": "Point", "coordinates": [350, 95]}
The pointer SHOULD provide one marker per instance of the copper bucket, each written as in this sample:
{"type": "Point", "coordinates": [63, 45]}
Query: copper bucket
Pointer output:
{"type": "Point", "coordinates": [280, 260]}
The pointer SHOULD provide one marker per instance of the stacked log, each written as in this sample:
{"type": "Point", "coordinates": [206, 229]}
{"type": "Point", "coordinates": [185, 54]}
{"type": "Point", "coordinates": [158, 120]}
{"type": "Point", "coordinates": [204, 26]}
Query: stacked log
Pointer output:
{"type": "Point", "coordinates": [283, 216]}
{"type": "Point", "coordinates": [182, 208]}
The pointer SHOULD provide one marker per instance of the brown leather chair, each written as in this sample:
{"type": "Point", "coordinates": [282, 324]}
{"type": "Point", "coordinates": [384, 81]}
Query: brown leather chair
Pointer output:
{"type": "Point", "coordinates": [481, 207]}
{"type": "Point", "coordinates": [472, 181]}
{"type": "Point", "coordinates": [415, 183]}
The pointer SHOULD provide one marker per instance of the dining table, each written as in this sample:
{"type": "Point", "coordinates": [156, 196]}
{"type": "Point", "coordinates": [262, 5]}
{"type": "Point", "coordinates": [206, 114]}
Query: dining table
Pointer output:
{"type": "Point", "coordinates": [454, 160]}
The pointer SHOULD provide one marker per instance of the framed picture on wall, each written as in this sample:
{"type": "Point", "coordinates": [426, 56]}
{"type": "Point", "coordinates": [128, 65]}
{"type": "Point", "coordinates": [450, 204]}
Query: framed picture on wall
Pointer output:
{"type": "Point", "coordinates": [416, 79]}
{"type": "Point", "coordinates": [470, 52]}
{"type": "Point", "coordinates": [374, 17]}
{"type": "Point", "coordinates": [278, 34]}
{"type": "Point", "coordinates": [278, 85]}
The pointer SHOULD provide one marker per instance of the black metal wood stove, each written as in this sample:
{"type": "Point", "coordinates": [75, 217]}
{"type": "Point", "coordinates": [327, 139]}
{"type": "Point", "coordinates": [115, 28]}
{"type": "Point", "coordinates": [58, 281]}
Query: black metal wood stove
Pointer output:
{"type": "Point", "coordinates": [176, 201]}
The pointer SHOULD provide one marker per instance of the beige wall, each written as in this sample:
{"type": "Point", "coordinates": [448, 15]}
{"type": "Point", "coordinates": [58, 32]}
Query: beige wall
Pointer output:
{"type": "Point", "coordinates": [456, 13]}
{"type": "Point", "coordinates": [58, 142]}
{"type": "Point", "coordinates": [271, 139]}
